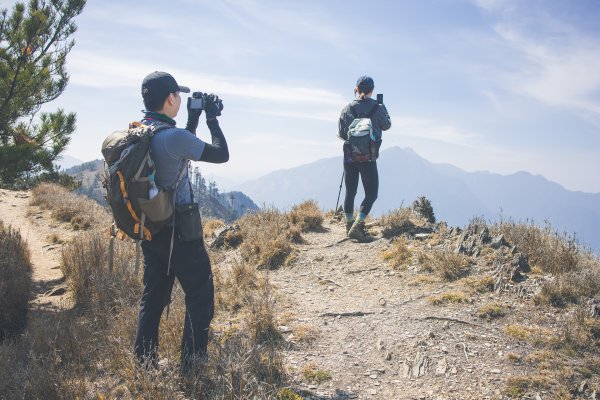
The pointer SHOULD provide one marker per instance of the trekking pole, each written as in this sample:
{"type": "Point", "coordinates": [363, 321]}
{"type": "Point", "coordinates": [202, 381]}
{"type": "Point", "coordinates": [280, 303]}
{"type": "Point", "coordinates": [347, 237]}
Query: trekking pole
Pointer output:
{"type": "Point", "coordinates": [339, 193]}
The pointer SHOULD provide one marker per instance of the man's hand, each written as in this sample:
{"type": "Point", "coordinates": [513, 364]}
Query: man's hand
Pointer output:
{"type": "Point", "coordinates": [212, 106]}
{"type": "Point", "coordinates": [193, 116]}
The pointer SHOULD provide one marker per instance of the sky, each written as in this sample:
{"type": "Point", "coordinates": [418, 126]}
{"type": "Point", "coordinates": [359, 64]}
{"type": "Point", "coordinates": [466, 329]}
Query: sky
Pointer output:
{"type": "Point", "coordinates": [485, 85]}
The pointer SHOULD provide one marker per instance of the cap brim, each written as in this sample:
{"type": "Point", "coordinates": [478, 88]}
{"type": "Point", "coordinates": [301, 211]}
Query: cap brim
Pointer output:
{"type": "Point", "coordinates": [184, 89]}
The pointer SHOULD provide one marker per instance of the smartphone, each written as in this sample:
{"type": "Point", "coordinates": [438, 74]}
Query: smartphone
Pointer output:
{"type": "Point", "coordinates": [380, 98]}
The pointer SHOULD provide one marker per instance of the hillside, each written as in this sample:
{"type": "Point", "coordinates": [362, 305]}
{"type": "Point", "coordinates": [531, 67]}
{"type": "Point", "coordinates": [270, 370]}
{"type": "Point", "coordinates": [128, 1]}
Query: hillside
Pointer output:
{"type": "Point", "coordinates": [426, 311]}
{"type": "Point", "coordinates": [227, 206]}
{"type": "Point", "coordinates": [456, 195]}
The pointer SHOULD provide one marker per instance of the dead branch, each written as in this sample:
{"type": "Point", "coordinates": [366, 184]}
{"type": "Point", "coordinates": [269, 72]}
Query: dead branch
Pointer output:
{"type": "Point", "coordinates": [347, 314]}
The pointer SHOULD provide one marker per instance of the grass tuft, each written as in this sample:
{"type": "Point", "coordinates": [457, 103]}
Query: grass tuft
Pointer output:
{"type": "Point", "coordinates": [453, 297]}
{"type": "Point", "coordinates": [491, 311]}
{"type": "Point", "coordinates": [307, 216]}
{"type": "Point", "coordinates": [398, 255]}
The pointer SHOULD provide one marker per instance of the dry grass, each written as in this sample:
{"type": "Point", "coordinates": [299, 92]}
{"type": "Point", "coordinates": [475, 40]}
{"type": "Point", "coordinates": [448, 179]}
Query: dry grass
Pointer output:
{"type": "Point", "coordinates": [307, 216]}
{"type": "Point", "coordinates": [210, 226]}
{"type": "Point", "coordinates": [306, 333]}
{"type": "Point", "coordinates": [266, 239]}
{"type": "Point", "coordinates": [397, 222]}
{"type": "Point", "coordinates": [481, 284]}
{"type": "Point", "coordinates": [545, 248]}
{"type": "Point", "coordinates": [450, 266]}
{"type": "Point", "coordinates": [15, 282]}
{"type": "Point", "coordinates": [398, 255]}
{"type": "Point", "coordinates": [311, 373]}
{"type": "Point", "coordinates": [453, 297]}
{"type": "Point", "coordinates": [491, 311]}
{"type": "Point", "coordinates": [88, 351]}
{"type": "Point", "coordinates": [81, 212]}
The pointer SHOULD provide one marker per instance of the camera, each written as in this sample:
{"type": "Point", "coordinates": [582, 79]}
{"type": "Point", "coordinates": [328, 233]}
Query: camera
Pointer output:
{"type": "Point", "coordinates": [197, 101]}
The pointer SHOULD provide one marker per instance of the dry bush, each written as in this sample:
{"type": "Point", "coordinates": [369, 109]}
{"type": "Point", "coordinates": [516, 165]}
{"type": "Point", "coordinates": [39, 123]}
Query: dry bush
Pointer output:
{"type": "Point", "coordinates": [580, 331]}
{"type": "Point", "coordinates": [15, 282]}
{"type": "Point", "coordinates": [572, 287]}
{"type": "Point", "coordinates": [210, 226]}
{"type": "Point", "coordinates": [307, 216]}
{"type": "Point", "coordinates": [450, 266]}
{"type": "Point", "coordinates": [397, 222]}
{"type": "Point", "coordinates": [544, 248]}
{"type": "Point", "coordinates": [79, 211]}
{"type": "Point", "coordinates": [266, 242]}
{"type": "Point", "coordinates": [398, 255]}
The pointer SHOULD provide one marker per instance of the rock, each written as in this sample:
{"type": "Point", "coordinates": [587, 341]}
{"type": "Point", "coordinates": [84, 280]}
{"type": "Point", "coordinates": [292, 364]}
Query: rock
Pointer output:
{"type": "Point", "coordinates": [221, 234]}
{"type": "Point", "coordinates": [582, 387]}
{"type": "Point", "coordinates": [595, 396]}
{"type": "Point", "coordinates": [420, 365]}
{"type": "Point", "coordinates": [331, 288]}
{"type": "Point", "coordinates": [446, 325]}
{"type": "Point", "coordinates": [388, 356]}
{"type": "Point", "coordinates": [382, 302]}
{"type": "Point", "coordinates": [444, 349]}
{"type": "Point", "coordinates": [405, 370]}
{"type": "Point", "coordinates": [442, 367]}
{"type": "Point", "coordinates": [284, 329]}
{"type": "Point", "coordinates": [380, 345]}
{"type": "Point", "coordinates": [498, 241]}
{"type": "Point", "coordinates": [519, 264]}
{"type": "Point", "coordinates": [495, 371]}
{"type": "Point", "coordinates": [422, 236]}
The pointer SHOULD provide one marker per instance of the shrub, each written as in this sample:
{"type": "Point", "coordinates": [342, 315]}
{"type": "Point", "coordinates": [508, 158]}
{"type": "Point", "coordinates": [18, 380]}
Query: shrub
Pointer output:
{"type": "Point", "coordinates": [15, 282]}
{"type": "Point", "coordinates": [307, 216]}
{"type": "Point", "coordinates": [423, 207]}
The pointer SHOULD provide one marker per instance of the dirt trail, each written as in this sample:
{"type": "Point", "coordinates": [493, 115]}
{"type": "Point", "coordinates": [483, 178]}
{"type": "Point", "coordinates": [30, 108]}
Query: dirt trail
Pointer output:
{"type": "Point", "coordinates": [377, 334]}
{"type": "Point", "coordinates": [44, 237]}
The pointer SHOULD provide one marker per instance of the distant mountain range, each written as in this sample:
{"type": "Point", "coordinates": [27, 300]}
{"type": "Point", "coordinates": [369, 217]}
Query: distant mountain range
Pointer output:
{"type": "Point", "coordinates": [456, 195]}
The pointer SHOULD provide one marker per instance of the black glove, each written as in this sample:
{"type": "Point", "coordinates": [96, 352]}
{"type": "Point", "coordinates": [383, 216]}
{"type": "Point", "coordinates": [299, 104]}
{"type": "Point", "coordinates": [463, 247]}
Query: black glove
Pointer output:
{"type": "Point", "coordinates": [212, 106]}
{"type": "Point", "coordinates": [193, 116]}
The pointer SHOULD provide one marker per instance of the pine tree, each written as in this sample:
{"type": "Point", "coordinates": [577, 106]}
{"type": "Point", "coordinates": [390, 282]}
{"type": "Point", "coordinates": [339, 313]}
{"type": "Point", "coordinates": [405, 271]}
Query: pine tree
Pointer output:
{"type": "Point", "coordinates": [34, 43]}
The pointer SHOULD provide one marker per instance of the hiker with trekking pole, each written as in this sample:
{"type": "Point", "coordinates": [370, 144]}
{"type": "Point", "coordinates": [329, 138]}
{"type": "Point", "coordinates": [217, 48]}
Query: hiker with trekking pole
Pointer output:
{"type": "Point", "coordinates": [360, 127]}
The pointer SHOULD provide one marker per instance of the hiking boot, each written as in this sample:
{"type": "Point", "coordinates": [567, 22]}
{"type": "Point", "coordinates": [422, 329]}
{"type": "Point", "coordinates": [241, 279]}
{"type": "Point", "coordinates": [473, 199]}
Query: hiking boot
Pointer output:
{"type": "Point", "coordinates": [359, 233]}
{"type": "Point", "coordinates": [348, 226]}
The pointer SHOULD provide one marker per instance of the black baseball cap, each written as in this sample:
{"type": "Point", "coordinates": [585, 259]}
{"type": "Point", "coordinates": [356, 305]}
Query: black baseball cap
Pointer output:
{"type": "Point", "coordinates": [365, 84]}
{"type": "Point", "coordinates": [158, 85]}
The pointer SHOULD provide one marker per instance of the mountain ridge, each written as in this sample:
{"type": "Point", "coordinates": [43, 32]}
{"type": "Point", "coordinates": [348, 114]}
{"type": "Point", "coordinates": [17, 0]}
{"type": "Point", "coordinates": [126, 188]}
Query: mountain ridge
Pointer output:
{"type": "Point", "coordinates": [457, 195]}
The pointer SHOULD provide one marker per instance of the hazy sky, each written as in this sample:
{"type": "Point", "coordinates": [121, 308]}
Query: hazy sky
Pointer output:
{"type": "Point", "coordinates": [495, 85]}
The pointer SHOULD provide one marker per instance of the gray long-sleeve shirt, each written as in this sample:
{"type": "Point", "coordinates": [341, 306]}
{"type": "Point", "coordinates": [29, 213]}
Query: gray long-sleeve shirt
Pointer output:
{"type": "Point", "coordinates": [380, 118]}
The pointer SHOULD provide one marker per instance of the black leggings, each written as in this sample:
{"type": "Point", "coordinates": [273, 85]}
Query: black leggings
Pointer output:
{"type": "Point", "coordinates": [370, 180]}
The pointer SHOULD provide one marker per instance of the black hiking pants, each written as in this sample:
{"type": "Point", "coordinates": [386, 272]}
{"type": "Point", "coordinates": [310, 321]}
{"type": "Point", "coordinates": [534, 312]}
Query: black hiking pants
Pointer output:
{"type": "Point", "coordinates": [370, 180]}
{"type": "Point", "coordinates": [191, 265]}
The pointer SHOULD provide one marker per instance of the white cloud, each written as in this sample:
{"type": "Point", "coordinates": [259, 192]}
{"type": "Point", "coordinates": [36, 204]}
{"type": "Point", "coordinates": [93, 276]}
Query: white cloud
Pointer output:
{"type": "Point", "coordinates": [97, 71]}
{"type": "Point", "coordinates": [429, 129]}
{"type": "Point", "coordinates": [559, 61]}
